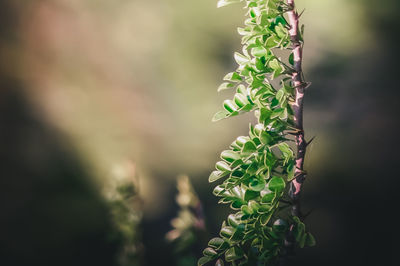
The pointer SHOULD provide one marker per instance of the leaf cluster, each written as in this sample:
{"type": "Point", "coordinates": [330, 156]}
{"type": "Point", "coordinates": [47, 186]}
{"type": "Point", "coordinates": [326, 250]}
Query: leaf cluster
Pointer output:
{"type": "Point", "coordinates": [257, 168]}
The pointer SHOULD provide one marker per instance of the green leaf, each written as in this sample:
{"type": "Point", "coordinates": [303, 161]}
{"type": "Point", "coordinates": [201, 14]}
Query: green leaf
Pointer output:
{"type": "Point", "coordinates": [265, 138]}
{"type": "Point", "coordinates": [252, 13]}
{"type": "Point", "coordinates": [246, 209]}
{"type": "Point", "coordinates": [279, 95]}
{"type": "Point", "coordinates": [277, 73]}
{"type": "Point", "coordinates": [271, 42]}
{"type": "Point", "coordinates": [252, 169]}
{"type": "Point", "coordinates": [225, 86]}
{"type": "Point", "coordinates": [239, 233]}
{"type": "Point", "coordinates": [241, 59]}
{"type": "Point", "coordinates": [277, 67]}
{"type": "Point", "coordinates": [257, 185]}
{"type": "Point", "coordinates": [263, 19]}
{"type": "Point", "coordinates": [291, 59]}
{"type": "Point", "coordinates": [240, 100]}
{"type": "Point", "coordinates": [215, 175]}
{"type": "Point", "coordinates": [250, 194]}
{"type": "Point", "coordinates": [276, 184]}
{"type": "Point", "coordinates": [238, 192]}
{"type": "Point", "coordinates": [251, 3]}
{"type": "Point", "coordinates": [243, 31]}
{"type": "Point", "coordinates": [274, 64]}
{"type": "Point", "coordinates": [233, 254]}
{"type": "Point", "coordinates": [302, 241]}
{"type": "Point", "coordinates": [299, 230]}
{"type": "Point", "coordinates": [277, 112]}
{"type": "Point", "coordinates": [227, 231]}
{"type": "Point", "coordinates": [258, 129]}
{"type": "Point", "coordinates": [220, 115]}
{"type": "Point", "coordinates": [264, 208]}
{"type": "Point", "coordinates": [249, 146]}
{"type": "Point", "coordinates": [216, 242]}
{"type": "Point", "coordinates": [284, 114]}
{"type": "Point", "coordinates": [241, 89]}
{"type": "Point", "coordinates": [242, 140]}
{"type": "Point", "coordinates": [267, 198]}
{"type": "Point", "coordinates": [274, 103]}
{"type": "Point", "coordinates": [280, 19]}
{"type": "Point", "coordinates": [238, 172]}
{"type": "Point", "coordinates": [287, 152]}
{"type": "Point", "coordinates": [230, 106]}
{"type": "Point", "coordinates": [222, 3]}
{"type": "Point", "coordinates": [237, 204]}
{"type": "Point", "coordinates": [259, 51]}
{"type": "Point", "coordinates": [204, 260]}
{"type": "Point", "coordinates": [233, 221]}
{"type": "Point", "coordinates": [281, 31]}
{"type": "Point", "coordinates": [260, 64]}
{"type": "Point", "coordinates": [210, 252]}
{"type": "Point", "coordinates": [280, 225]}
{"type": "Point", "coordinates": [264, 219]}
{"type": "Point", "coordinates": [310, 240]}
{"type": "Point", "coordinates": [254, 206]}
{"type": "Point", "coordinates": [233, 76]}
{"type": "Point", "coordinates": [272, 4]}
{"type": "Point", "coordinates": [290, 170]}
{"type": "Point", "coordinates": [301, 35]}
{"type": "Point", "coordinates": [230, 156]}
{"type": "Point", "coordinates": [223, 166]}
{"type": "Point", "coordinates": [264, 114]}
{"type": "Point", "coordinates": [218, 190]}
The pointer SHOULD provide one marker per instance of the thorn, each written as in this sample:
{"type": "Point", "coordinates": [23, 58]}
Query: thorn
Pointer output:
{"type": "Point", "coordinates": [295, 131]}
{"type": "Point", "coordinates": [308, 213]}
{"type": "Point", "coordinates": [303, 85]}
{"type": "Point", "coordinates": [301, 13]}
{"type": "Point", "coordinates": [309, 142]}
{"type": "Point", "coordinates": [302, 174]}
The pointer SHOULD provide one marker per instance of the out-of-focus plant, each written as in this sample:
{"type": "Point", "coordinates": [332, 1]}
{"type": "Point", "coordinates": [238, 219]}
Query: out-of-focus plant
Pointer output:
{"type": "Point", "coordinates": [126, 209]}
{"type": "Point", "coordinates": [189, 225]}
{"type": "Point", "coordinates": [263, 175]}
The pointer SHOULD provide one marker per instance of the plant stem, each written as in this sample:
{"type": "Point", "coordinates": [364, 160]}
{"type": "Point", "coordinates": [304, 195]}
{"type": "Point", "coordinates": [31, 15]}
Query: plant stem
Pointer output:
{"type": "Point", "coordinates": [300, 85]}
{"type": "Point", "coordinates": [297, 106]}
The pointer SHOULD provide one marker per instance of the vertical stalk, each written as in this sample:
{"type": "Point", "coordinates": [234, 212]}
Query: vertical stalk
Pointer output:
{"type": "Point", "coordinates": [299, 85]}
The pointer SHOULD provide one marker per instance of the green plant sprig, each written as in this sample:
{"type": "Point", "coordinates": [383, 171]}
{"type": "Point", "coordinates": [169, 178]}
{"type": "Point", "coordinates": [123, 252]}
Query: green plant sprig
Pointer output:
{"type": "Point", "coordinates": [262, 175]}
{"type": "Point", "coordinates": [189, 223]}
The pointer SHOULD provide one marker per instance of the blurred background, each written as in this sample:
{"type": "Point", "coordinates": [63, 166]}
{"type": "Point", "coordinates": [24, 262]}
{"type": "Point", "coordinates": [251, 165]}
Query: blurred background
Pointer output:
{"type": "Point", "coordinates": [97, 94]}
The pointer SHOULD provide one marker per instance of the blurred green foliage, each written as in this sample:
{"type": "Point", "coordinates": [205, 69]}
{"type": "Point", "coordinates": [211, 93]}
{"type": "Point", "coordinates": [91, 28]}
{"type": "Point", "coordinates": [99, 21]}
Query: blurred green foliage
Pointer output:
{"type": "Point", "coordinates": [189, 226]}
{"type": "Point", "coordinates": [126, 213]}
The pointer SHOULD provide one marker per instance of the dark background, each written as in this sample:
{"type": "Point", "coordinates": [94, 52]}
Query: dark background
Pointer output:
{"type": "Point", "coordinates": [52, 208]}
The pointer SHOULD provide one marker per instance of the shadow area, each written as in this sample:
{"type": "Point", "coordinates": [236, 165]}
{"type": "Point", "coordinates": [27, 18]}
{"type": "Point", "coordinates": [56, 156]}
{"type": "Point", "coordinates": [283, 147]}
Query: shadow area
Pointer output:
{"type": "Point", "coordinates": [50, 211]}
